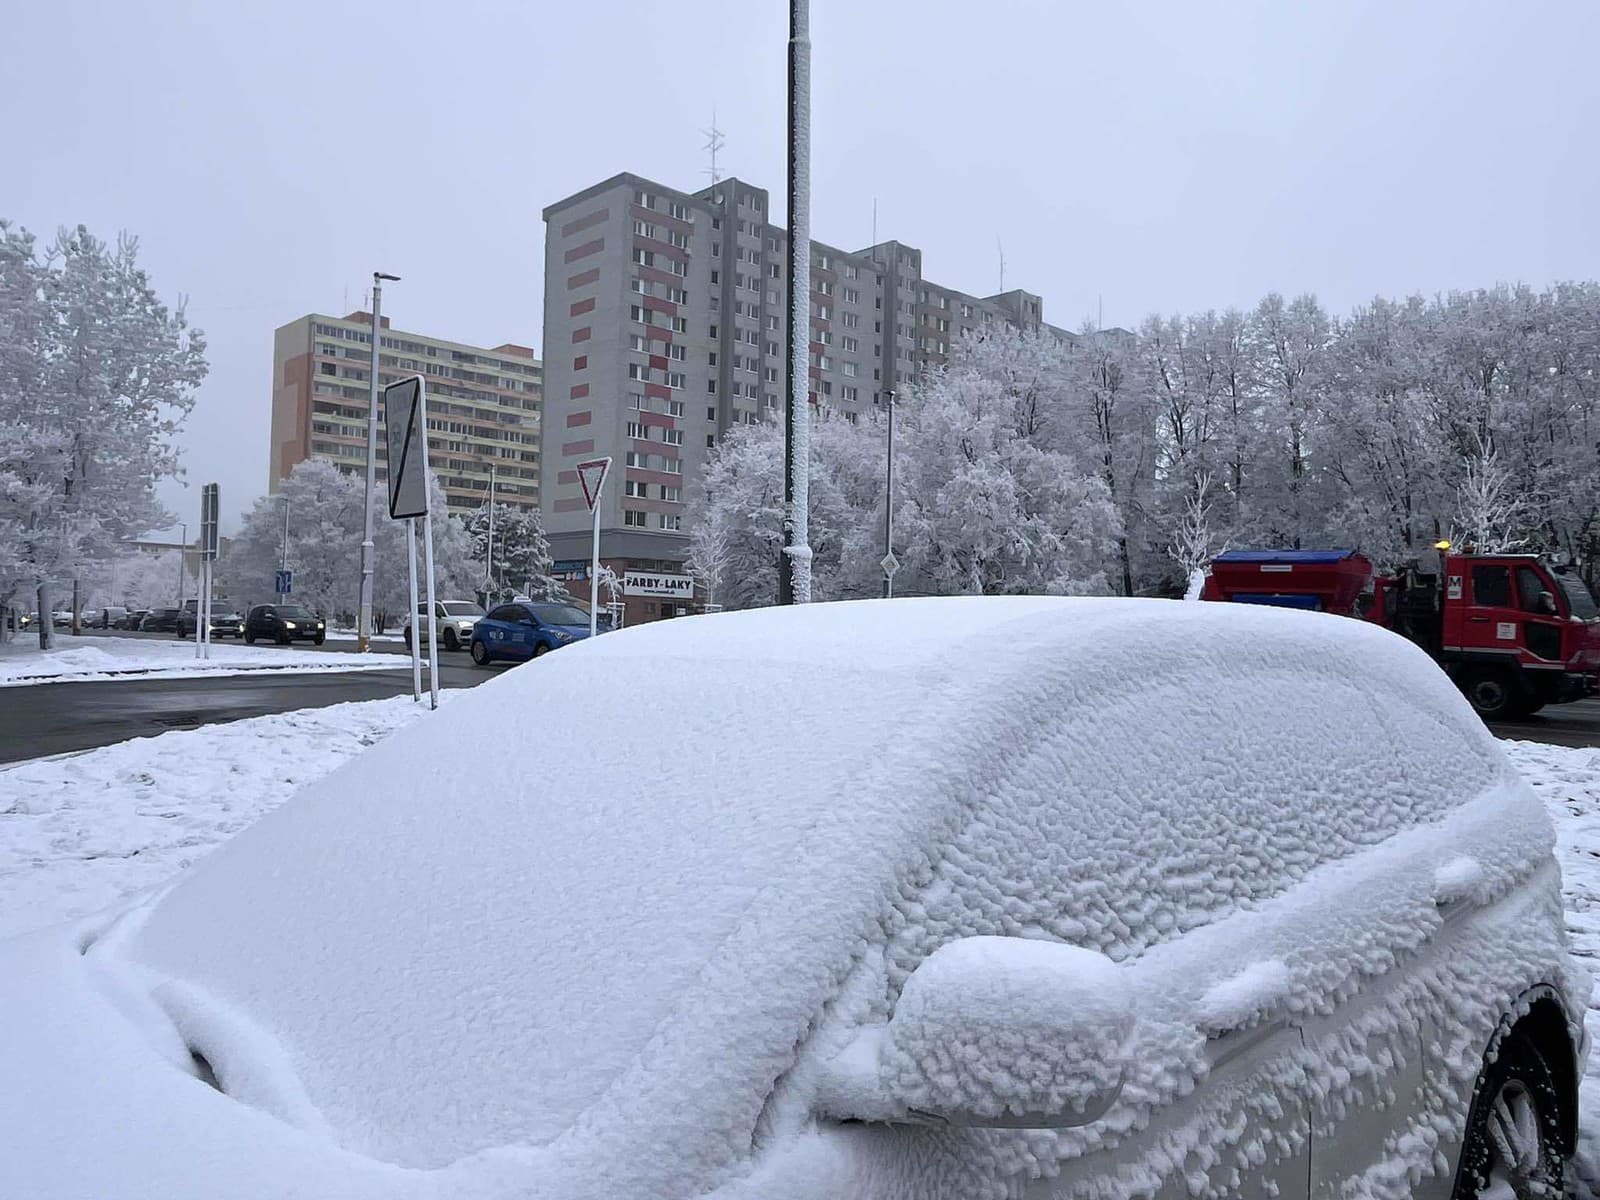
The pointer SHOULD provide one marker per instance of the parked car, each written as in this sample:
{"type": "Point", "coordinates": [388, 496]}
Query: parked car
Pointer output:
{"type": "Point", "coordinates": [226, 620]}
{"type": "Point", "coordinates": [108, 617]}
{"type": "Point", "coordinates": [940, 898]}
{"type": "Point", "coordinates": [132, 619]}
{"type": "Point", "coordinates": [454, 618]}
{"type": "Point", "coordinates": [526, 629]}
{"type": "Point", "coordinates": [284, 623]}
{"type": "Point", "coordinates": [61, 618]}
{"type": "Point", "coordinates": [160, 620]}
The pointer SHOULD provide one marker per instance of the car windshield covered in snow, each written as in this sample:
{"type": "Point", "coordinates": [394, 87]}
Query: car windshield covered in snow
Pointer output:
{"type": "Point", "coordinates": [560, 614]}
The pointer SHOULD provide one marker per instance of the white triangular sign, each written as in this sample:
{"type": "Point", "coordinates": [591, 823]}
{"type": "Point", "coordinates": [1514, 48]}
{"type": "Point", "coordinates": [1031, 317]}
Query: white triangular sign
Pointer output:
{"type": "Point", "coordinates": [592, 475]}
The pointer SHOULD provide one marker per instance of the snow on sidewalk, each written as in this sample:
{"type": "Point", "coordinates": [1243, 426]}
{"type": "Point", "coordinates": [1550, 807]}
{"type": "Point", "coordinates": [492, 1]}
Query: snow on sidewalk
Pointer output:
{"type": "Point", "coordinates": [96, 658]}
{"type": "Point", "coordinates": [80, 832]}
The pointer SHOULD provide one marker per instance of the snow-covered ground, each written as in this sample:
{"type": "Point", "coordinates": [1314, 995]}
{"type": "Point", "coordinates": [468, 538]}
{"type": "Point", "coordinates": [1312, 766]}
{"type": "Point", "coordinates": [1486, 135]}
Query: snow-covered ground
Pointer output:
{"type": "Point", "coordinates": [89, 658]}
{"type": "Point", "coordinates": [1569, 783]}
{"type": "Point", "coordinates": [79, 832]}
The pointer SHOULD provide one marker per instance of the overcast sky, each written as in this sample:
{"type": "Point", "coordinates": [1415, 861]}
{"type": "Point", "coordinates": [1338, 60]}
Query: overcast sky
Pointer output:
{"type": "Point", "coordinates": [1142, 157]}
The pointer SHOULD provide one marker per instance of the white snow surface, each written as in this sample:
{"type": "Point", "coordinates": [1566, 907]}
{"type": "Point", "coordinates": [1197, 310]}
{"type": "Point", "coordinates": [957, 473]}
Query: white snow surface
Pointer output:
{"type": "Point", "coordinates": [79, 832]}
{"type": "Point", "coordinates": [108, 658]}
{"type": "Point", "coordinates": [612, 959]}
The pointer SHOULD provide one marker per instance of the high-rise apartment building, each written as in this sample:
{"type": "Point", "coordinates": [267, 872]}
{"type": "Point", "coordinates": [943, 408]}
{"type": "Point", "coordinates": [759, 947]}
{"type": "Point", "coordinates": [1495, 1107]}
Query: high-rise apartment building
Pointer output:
{"type": "Point", "coordinates": [664, 327]}
{"type": "Point", "coordinates": [483, 405]}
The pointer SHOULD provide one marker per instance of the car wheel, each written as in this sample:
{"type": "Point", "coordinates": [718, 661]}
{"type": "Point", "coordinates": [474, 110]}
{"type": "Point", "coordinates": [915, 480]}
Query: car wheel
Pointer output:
{"type": "Point", "coordinates": [319, 639]}
{"type": "Point", "coordinates": [480, 653]}
{"type": "Point", "coordinates": [1513, 1147]}
{"type": "Point", "coordinates": [250, 638]}
{"type": "Point", "coordinates": [1490, 694]}
{"type": "Point", "coordinates": [179, 633]}
{"type": "Point", "coordinates": [283, 638]}
{"type": "Point", "coordinates": [541, 650]}
{"type": "Point", "coordinates": [451, 641]}
{"type": "Point", "coordinates": [405, 636]}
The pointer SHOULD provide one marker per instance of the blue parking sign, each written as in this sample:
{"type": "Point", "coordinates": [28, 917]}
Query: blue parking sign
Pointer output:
{"type": "Point", "coordinates": [284, 581]}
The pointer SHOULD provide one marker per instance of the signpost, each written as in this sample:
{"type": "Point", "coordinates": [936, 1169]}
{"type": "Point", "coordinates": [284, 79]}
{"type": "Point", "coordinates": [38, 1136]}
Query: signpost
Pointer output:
{"type": "Point", "coordinates": [592, 475]}
{"type": "Point", "coordinates": [210, 504]}
{"type": "Point", "coordinates": [405, 419]}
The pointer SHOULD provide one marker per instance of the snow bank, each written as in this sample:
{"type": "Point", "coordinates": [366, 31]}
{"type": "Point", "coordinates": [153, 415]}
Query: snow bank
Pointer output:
{"type": "Point", "coordinates": [80, 832]}
{"type": "Point", "coordinates": [97, 658]}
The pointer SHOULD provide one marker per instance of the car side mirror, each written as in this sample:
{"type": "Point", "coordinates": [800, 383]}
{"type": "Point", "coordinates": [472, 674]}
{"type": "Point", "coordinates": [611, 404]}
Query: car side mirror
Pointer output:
{"type": "Point", "coordinates": [992, 1032]}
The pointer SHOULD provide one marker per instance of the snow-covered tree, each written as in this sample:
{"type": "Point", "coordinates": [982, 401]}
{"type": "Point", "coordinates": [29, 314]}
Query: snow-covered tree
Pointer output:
{"type": "Point", "coordinates": [522, 562]}
{"type": "Point", "coordinates": [1493, 514]}
{"type": "Point", "coordinates": [95, 377]}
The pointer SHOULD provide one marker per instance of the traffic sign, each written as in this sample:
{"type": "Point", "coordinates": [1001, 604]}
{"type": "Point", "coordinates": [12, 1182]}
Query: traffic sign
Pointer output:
{"type": "Point", "coordinates": [592, 475]}
{"type": "Point", "coordinates": [208, 521]}
{"type": "Point", "coordinates": [408, 450]}
{"type": "Point", "coordinates": [890, 564]}
{"type": "Point", "coordinates": [284, 581]}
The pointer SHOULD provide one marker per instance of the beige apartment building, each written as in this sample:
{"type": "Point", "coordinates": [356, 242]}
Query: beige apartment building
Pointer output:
{"type": "Point", "coordinates": [483, 405]}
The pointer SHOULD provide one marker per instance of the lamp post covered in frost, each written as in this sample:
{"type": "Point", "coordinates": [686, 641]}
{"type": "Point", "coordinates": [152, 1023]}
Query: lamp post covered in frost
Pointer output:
{"type": "Point", "coordinates": [794, 564]}
{"type": "Point", "coordinates": [364, 613]}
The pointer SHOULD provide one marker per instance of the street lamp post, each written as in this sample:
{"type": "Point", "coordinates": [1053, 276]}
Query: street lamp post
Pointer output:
{"type": "Point", "coordinates": [794, 564]}
{"type": "Point", "coordinates": [283, 554]}
{"type": "Point", "coordinates": [364, 617]}
{"type": "Point", "coordinates": [183, 554]}
{"type": "Point", "coordinates": [888, 505]}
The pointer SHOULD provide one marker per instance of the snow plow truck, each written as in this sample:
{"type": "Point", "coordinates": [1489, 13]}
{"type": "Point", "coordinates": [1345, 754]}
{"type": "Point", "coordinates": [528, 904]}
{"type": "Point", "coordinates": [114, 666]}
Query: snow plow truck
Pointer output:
{"type": "Point", "coordinates": [1512, 631]}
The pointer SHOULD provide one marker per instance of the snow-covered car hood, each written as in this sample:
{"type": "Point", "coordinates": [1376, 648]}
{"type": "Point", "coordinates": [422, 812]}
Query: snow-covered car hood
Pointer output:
{"type": "Point", "coordinates": [604, 970]}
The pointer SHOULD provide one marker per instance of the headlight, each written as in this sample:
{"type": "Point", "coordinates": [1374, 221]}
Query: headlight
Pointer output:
{"type": "Point", "coordinates": [288, 624]}
{"type": "Point", "coordinates": [561, 635]}
{"type": "Point", "coordinates": [319, 625]}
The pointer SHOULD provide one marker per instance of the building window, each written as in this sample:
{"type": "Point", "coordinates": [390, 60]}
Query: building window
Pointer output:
{"type": "Point", "coordinates": [672, 437]}
{"type": "Point", "coordinates": [676, 379]}
{"type": "Point", "coordinates": [669, 521]}
{"type": "Point", "coordinates": [674, 494]}
{"type": "Point", "coordinates": [635, 519]}
{"type": "Point", "coordinates": [711, 440]}
{"type": "Point", "coordinates": [635, 489]}
{"type": "Point", "coordinates": [637, 430]}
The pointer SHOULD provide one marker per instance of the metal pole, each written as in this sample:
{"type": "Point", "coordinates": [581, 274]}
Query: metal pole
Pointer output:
{"type": "Point", "coordinates": [888, 504]}
{"type": "Point", "coordinates": [794, 565]}
{"type": "Point", "coordinates": [414, 625]}
{"type": "Point", "coordinates": [364, 615]}
{"type": "Point", "coordinates": [594, 564]}
{"type": "Point", "coordinates": [283, 557]}
{"type": "Point", "coordinates": [488, 562]}
{"type": "Point", "coordinates": [183, 551]}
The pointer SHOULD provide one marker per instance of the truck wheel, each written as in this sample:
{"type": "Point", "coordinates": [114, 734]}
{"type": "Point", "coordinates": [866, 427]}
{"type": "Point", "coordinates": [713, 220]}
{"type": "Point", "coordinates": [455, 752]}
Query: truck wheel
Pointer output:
{"type": "Point", "coordinates": [1513, 1146]}
{"type": "Point", "coordinates": [1490, 694]}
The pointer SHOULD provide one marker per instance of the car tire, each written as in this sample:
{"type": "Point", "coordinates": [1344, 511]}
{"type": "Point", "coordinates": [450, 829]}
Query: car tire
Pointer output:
{"type": "Point", "coordinates": [451, 641]}
{"type": "Point", "coordinates": [480, 653]}
{"type": "Point", "coordinates": [1492, 694]}
{"type": "Point", "coordinates": [405, 636]}
{"type": "Point", "coordinates": [283, 639]}
{"type": "Point", "coordinates": [319, 639]}
{"type": "Point", "coordinates": [540, 650]}
{"type": "Point", "coordinates": [1514, 1144]}
{"type": "Point", "coordinates": [249, 638]}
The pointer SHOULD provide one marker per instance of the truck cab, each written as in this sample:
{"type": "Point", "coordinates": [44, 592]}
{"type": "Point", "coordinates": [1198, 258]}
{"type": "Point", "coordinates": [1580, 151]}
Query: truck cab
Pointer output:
{"type": "Point", "coordinates": [1516, 635]}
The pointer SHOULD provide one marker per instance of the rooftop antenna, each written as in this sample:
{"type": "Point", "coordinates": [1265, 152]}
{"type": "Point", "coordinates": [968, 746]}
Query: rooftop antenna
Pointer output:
{"type": "Point", "coordinates": [714, 142]}
{"type": "Point", "coordinates": [1002, 250]}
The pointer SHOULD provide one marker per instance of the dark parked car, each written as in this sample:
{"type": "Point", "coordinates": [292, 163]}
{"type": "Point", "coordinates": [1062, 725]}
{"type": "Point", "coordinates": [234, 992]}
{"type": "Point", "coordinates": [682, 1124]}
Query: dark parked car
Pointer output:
{"type": "Point", "coordinates": [132, 620]}
{"type": "Point", "coordinates": [225, 619]}
{"type": "Point", "coordinates": [161, 620]}
{"type": "Point", "coordinates": [284, 623]}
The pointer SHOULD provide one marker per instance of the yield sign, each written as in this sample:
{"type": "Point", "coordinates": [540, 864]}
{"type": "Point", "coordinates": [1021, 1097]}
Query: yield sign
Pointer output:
{"type": "Point", "coordinates": [592, 475]}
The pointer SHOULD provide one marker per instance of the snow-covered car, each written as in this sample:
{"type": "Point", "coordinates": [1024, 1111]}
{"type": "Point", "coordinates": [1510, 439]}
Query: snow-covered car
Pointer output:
{"type": "Point", "coordinates": [454, 620]}
{"type": "Point", "coordinates": [978, 897]}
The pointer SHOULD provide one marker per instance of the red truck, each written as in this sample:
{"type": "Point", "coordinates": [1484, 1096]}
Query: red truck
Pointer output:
{"type": "Point", "coordinates": [1513, 632]}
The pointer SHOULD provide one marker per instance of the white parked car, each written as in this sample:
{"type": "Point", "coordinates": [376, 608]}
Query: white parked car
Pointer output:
{"type": "Point", "coordinates": [454, 621]}
{"type": "Point", "coordinates": [986, 897]}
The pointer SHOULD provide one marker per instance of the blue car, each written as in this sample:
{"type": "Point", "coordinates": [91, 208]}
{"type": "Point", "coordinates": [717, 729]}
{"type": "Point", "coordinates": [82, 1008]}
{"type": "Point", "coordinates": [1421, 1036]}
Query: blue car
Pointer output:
{"type": "Point", "coordinates": [526, 629]}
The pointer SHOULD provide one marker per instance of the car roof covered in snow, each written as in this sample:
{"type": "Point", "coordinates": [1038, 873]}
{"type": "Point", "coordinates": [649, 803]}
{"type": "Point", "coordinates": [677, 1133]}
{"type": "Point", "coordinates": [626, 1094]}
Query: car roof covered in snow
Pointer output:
{"type": "Point", "coordinates": [595, 904]}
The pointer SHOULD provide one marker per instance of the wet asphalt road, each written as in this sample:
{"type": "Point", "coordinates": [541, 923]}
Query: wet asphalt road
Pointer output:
{"type": "Point", "coordinates": [57, 718]}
